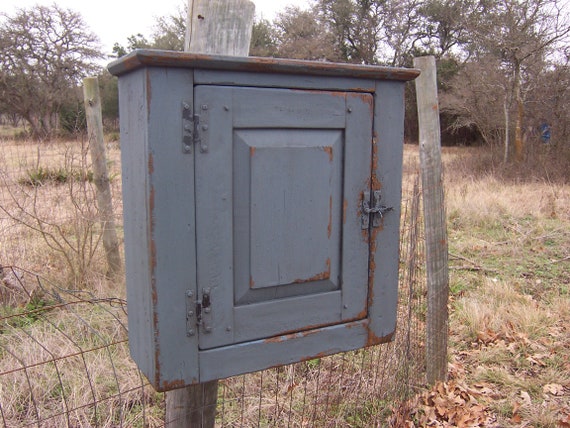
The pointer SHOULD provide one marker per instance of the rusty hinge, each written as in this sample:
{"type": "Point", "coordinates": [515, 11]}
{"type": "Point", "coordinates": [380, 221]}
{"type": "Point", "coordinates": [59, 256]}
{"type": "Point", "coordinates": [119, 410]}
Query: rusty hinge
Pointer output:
{"type": "Point", "coordinates": [198, 312]}
{"type": "Point", "coordinates": [372, 209]}
{"type": "Point", "coordinates": [194, 128]}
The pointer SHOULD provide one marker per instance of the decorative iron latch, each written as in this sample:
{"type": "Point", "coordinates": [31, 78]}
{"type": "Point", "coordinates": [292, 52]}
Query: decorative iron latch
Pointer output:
{"type": "Point", "coordinates": [373, 210]}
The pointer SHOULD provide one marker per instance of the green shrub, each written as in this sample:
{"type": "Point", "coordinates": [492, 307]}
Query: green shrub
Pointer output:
{"type": "Point", "coordinates": [41, 176]}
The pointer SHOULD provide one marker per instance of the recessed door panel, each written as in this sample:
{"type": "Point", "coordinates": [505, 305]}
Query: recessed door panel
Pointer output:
{"type": "Point", "coordinates": [290, 186]}
{"type": "Point", "coordinates": [277, 198]}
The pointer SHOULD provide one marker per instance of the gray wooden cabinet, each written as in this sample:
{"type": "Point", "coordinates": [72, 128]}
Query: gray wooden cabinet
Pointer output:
{"type": "Point", "coordinates": [261, 210]}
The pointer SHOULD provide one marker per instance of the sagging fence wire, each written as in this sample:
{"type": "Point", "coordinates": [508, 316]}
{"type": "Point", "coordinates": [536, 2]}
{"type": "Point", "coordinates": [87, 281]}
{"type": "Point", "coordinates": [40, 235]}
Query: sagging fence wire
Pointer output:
{"type": "Point", "coordinates": [64, 358]}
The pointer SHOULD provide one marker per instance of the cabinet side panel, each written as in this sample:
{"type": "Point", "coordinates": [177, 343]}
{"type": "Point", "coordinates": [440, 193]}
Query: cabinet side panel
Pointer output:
{"type": "Point", "coordinates": [388, 148]}
{"type": "Point", "coordinates": [172, 226]}
{"type": "Point", "coordinates": [134, 151]}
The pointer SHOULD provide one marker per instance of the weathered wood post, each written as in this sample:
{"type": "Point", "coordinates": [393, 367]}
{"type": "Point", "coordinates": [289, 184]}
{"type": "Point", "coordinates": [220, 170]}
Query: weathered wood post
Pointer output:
{"type": "Point", "coordinates": [92, 101]}
{"type": "Point", "coordinates": [435, 220]}
{"type": "Point", "coordinates": [221, 27]}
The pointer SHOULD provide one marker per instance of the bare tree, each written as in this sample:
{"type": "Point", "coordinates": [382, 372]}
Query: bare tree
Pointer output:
{"type": "Point", "coordinates": [46, 50]}
{"type": "Point", "coordinates": [169, 30]}
{"type": "Point", "coordinates": [300, 35]}
{"type": "Point", "coordinates": [475, 99]}
{"type": "Point", "coordinates": [445, 25]}
{"type": "Point", "coordinates": [263, 39]}
{"type": "Point", "coordinates": [357, 27]}
{"type": "Point", "coordinates": [520, 33]}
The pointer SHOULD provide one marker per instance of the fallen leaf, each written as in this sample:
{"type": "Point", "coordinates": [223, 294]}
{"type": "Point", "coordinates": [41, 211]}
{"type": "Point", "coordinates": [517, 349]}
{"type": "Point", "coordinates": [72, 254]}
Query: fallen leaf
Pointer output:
{"type": "Point", "coordinates": [483, 390]}
{"type": "Point", "coordinates": [525, 398]}
{"type": "Point", "coordinates": [487, 337]}
{"type": "Point", "coordinates": [536, 361]}
{"type": "Point", "coordinates": [553, 389]}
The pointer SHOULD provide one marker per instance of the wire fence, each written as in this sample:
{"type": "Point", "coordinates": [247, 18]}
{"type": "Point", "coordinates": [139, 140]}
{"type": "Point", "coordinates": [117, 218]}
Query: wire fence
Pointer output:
{"type": "Point", "coordinates": [64, 358]}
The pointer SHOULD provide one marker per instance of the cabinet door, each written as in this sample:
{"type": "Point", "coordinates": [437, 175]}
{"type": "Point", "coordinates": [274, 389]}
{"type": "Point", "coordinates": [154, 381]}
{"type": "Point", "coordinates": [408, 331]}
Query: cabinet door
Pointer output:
{"type": "Point", "coordinates": [279, 186]}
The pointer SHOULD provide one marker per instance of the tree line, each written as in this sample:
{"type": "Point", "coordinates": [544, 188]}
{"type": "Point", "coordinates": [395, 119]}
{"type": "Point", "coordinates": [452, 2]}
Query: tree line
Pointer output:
{"type": "Point", "coordinates": [503, 64]}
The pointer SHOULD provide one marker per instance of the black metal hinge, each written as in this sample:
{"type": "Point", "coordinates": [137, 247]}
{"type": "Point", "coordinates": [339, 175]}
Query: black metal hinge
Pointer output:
{"type": "Point", "coordinates": [372, 210]}
{"type": "Point", "coordinates": [198, 312]}
{"type": "Point", "coordinates": [194, 129]}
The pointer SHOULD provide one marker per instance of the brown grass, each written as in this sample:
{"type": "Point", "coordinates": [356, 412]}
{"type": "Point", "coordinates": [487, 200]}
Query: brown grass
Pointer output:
{"type": "Point", "coordinates": [51, 227]}
{"type": "Point", "coordinates": [511, 290]}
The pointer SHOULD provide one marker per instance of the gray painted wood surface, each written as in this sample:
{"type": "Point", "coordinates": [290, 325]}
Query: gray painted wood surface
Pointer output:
{"type": "Point", "coordinates": [263, 217]}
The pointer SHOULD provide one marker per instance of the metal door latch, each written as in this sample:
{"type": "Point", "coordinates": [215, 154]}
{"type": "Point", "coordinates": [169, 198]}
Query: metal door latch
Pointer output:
{"type": "Point", "coordinates": [376, 211]}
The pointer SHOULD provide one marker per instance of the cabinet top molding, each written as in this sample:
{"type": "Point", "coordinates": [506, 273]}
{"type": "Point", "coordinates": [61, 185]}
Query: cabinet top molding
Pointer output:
{"type": "Point", "coordinates": [160, 58]}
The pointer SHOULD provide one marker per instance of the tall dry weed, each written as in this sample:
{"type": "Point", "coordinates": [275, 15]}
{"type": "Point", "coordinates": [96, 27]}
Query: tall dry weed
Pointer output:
{"type": "Point", "coordinates": [48, 208]}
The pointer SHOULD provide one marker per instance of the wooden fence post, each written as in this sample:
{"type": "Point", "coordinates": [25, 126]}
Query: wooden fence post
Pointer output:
{"type": "Point", "coordinates": [217, 27]}
{"type": "Point", "coordinates": [92, 101]}
{"type": "Point", "coordinates": [435, 220]}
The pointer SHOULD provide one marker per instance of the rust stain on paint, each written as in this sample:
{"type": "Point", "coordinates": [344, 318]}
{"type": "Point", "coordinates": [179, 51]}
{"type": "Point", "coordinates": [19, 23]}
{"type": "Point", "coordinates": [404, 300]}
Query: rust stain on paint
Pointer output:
{"type": "Point", "coordinates": [151, 204]}
{"type": "Point", "coordinates": [318, 277]}
{"type": "Point", "coordinates": [329, 228]}
{"type": "Point", "coordinates": [359, 213]}
{"type": "Point", "coordinates": [329, 150]}
{"type": "Point", "coordinates": [148, 91]}
{"type": "Point", "coordinates": [251, 282]}
{"type": "Point", "coordinates": [372, 339]}
{"type": "Point", "coordinates": [344, 207]}
{"type": "Point", "coordinates": [316, 356]}
{"type": "Point", "coordinates": [375, 183]}
{"type": "Point", "coordinates": [320, 92]}
{"type": "Point", "coordinates": [362, 314]}
{"type": "Point", "coordinates": [251, 151]}
{"type": "Point", "coordinates": [170, 385]}
{"type": "Point", "coordinates": [152, 272]}
{"type": "Point", "coordinates": [150, 163]}
{"type": "Point", "coordinates": [366, 98]}
{"type": "Point", "coordinates": [290, 336]}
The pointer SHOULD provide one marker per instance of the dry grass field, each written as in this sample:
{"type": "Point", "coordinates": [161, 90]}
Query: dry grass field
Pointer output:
{"type": "Point", "coordinates": [509, 243]}
{"type": "Point", "coordinates": [509, 356]}
{"type": "Point", "coordinates": [63, 345]}
{"type": "Point", "coordinates": [48, 213]}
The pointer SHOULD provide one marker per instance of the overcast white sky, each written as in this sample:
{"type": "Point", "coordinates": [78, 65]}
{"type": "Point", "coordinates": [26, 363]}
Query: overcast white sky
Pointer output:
{"type": "Point", "coordinates": [115, 20]}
